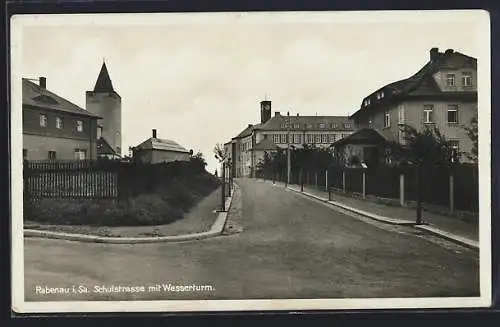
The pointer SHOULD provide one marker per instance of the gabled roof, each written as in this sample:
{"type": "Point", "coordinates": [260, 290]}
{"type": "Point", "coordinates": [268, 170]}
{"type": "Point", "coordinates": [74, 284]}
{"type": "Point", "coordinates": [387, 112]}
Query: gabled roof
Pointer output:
{"type": "Point", "coordinates": [422, 82]}
{"type": "Point", "coordinates": [362, 136]}
{"type": "Point", "coordinates": [247, 131]}
{"type": "Point", "coordinates": [103, 83]}
{"type": "Point", "coordinates": [36, 96]}
{"type": "Point", "coordinates": [103, 147]}
{"type": "Point", "coordinates": [266, 144]}
{"type": "Point", "coordinates": [161, 144]}
{"type": "Point", "coordinates": [313, 123]}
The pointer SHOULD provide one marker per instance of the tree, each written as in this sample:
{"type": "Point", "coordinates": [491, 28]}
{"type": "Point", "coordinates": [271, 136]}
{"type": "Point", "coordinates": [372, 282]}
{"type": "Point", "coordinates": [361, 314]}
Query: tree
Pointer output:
{"type": "Point", "coordinates": [198, 161]}
{"type": "Point", "coordinates": [472, 133]}
{"type": "Point", "coordinates": [421, 149]}
{"type": "Point", "coordinates": [220, 153]}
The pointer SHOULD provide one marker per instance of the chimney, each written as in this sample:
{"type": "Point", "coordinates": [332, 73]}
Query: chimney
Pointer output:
{"type": "Point", "coordinates": [297, 115]}
{"type": "Point", "coordinates": [154, 133]}
{"type": "Point", "coordinates": [42, 82]}
{"type": "Point", "coordinates": [250, 125]}
{"type": "Point", "coordinates": [277, 114]}
{"type": "Point", "coordinates": [434, 53]}
{"type": "Point", "coordinates": [448, 52]}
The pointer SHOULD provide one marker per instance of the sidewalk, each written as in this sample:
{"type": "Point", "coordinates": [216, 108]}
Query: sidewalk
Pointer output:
{"type": "Point", "coordinates": [447, 225]}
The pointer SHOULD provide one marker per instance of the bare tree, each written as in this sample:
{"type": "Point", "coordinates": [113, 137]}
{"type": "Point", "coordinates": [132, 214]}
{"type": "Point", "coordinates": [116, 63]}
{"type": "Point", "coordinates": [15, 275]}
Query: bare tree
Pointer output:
{"type": "Point", "coordinates": [220, 152]}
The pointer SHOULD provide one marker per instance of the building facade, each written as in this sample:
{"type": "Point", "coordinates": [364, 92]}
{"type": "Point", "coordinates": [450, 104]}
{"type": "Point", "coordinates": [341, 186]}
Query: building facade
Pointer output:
{"type": "Point", "coordinates": [105, 102]}
{"type": "Point", "coordinates": [441, 94]}
{"type": "Point", "coordinates": [54, 128]}
{"type": "Point", "coordinates": [280, 131]}
{"type": "Point", "coordinates": [155, 150]}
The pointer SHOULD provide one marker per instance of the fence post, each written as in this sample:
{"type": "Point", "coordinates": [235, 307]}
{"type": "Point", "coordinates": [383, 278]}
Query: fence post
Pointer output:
{"type": "Point", "coordinates": [402, 189]}
{"type": "Point", "coordinates": [223, 190]}
{"type": "Point", "coordinates": [326, 180]}
{"type": "Point", "coordinates": [343, 181]}
{"type": "Point", "coordinates": [452, 194]}
{"type": "Point", "coordinates": [364, 184]}
{"type": "Point", "coordinates": [301, 180]}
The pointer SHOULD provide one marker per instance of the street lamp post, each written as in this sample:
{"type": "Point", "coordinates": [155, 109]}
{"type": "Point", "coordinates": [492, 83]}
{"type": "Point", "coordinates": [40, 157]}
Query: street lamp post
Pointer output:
{"type": "Point", "coordinates": [288, 160]}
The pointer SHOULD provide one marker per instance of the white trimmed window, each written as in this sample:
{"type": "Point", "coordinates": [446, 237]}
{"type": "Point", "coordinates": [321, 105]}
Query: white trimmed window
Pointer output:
{"type": "Point", "coordinates": [387, 119]}
{"type": "Point", "coordinates": [452, 114]}
{"type": "Point", "coordinates": [79, 126]}
{"type": "Point", "coordinates": [347, 125]}
{"type": "Point", "coordinates": [317, 138]}
{"type": "Point", "coordinates": [332, 138]}
{"type": "Point", "coordinates": [59, 123]}
{"type": "Point", "coordinates": [80, 154]}
{"type": "Point", "coordinates": [99, 132]}
{"type": "Point", "coordinates": [450, 79]}
{"type": "Point", "coordinates": [276, 138]}
{"type": "Point", "coordinates": [401, 114]}
{"type": "Point", "coordinates": [466, 79]}
{"type": "Point", "coordinates": [310, 139]}
{"type": "Point", "coordinates": [283, 138]}
{"type": "Point", "coordinates": [43, 120]}
{"type": "Point", "coordinates": [455, 150]}
{"type": "Point", "coordinates": [428, 114]}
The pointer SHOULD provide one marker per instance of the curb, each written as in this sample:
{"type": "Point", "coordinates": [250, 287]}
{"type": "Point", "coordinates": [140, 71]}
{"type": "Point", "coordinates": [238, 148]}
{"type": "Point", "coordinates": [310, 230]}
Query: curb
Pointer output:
{"type": "Point", "coordinates": [473, 245]}
{"type": "Point", "coordinates": [431, 230]}
{"type": "Point", "coordinates": [216, 230]}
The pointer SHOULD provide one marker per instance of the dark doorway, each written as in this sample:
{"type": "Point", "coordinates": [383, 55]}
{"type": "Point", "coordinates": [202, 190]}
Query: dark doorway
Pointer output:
{"type": "Point", "coordinates": [371, 156]}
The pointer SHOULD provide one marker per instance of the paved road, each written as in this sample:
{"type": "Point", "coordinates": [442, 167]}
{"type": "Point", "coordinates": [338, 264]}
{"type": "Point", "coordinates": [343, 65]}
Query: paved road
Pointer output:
{"type": "Point", "coordinates": [290, 247]}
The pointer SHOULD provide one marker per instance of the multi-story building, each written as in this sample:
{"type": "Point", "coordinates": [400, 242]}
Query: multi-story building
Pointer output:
{"type": "Point", "coordinates": [441, 94]}
{"type": "Point", "coordinates": [54, 128]}
{"type": "Point", "coordinates": [280, 131]}
{"type": "Point", "coordinates": [105, 102]}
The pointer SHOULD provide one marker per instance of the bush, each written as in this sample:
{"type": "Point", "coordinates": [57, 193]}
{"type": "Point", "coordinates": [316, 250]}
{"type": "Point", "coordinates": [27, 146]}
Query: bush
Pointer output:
{"type": "Point", "coordinates": [163, 206]}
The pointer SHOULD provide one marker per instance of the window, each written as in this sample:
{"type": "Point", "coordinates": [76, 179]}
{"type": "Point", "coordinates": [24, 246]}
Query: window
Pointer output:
{"type": "Point", "coordinates": [79, 126]}
{"type": "Point", "coordinates": [466, 79]}
{"type": "Point", "coordinates": [282, 138]}
{"type": "Point", "coordinates": [309, 125]}
{"type": "Point", "coordinates": [59, 123]}
{"type": "Point", "coordinates": [382, 94]}
{"type": "Point", "coordinates": [43, 120]}
{"type": "Point", "coordinates": [401, 137]}
{"type": "Point", "coordinates": [296, 138]}
{"type": "Point", "coordinates": [310, 139]}
{"type": "Point", "coordinates": [450, 79]}
{"type": "Point", "coordinates": [52, 155]}
{"type": "Point", "coordinates": [428, 114]}
{"type": "Point", "coordinates": [387, 119]}
{"type": "Point", "coordinates": [317, 138]}
{"type": "Point", "coordinates": [332, 138]}
{"type": "Point", "coordinates": [99, 132]}
{"type": "Point", "coordinates": [347, 125]}
{"type": "Point", "coordinates": [80, 154]}
{"type": "Point", "coordinates": [455, 150]}
{"type": "Point", "coordinates": [321, 125]}
{"type": "Point", "coordinates": [296, 125]}
{"type": "Point", "coordinates": [401, 114]}
{"type": "Point", "coordinates": [25, 154]}
{"type": "Point", "coordinates": [335, 126]}
{"type": "Point", "coordinates": [452, 114]}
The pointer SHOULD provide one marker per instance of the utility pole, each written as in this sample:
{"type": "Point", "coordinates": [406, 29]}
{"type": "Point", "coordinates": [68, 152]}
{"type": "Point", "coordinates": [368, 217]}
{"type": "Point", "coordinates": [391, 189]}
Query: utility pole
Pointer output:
{"type": "Point", "coordinates": [288, 151]}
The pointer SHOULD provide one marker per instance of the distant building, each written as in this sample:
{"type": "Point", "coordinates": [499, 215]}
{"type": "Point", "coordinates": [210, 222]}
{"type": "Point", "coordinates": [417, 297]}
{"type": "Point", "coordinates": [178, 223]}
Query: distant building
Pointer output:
{"type": "Point", "coordinates": [442, 94]}
{"type": "Point", "coordinates": [155, 150]}
{"type": "Point", "coordinates": [248, 148]}
{"type": "Point", "coordinates": [54, 128]}
{"type": "Point", "coordinates": [105, 102]}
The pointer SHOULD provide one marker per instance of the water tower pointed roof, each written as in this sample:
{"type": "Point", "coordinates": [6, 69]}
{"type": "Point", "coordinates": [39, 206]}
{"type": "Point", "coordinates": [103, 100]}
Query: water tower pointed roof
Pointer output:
{"type": "Point", "coordinates": [103, 83]}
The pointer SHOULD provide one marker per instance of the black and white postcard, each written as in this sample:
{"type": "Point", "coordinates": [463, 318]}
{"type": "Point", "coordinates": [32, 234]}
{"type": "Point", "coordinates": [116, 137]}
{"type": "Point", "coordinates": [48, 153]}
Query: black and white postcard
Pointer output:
{"type": "Point", "coordinates": [181, 162]}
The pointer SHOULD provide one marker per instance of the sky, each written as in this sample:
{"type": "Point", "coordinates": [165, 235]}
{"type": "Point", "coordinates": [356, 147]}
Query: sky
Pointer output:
{"type": "Point", "coordinates": [199, 81]}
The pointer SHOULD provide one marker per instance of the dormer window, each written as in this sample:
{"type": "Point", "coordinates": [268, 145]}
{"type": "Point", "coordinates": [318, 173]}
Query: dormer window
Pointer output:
{"type": "Point", "coordinates": [466, 79]}
{"type": "Point", "coordinates": [347, 125]}
{"type": "Point", "coordinates": [335, 126]}
{"type": "Point", "coordinates": [296, 125]}
{"type": "Point", "coordinates": [450, 79]}
{"type": "Point", "coordinates": [382, 94]}
{"type": "Point", "coordinates": [321, 125]}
